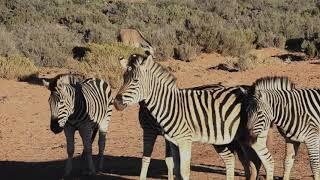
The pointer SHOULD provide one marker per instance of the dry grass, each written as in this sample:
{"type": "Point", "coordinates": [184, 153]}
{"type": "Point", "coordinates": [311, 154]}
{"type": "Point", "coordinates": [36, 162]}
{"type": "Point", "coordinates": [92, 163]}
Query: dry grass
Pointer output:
{"type": "Point", "coordinates": [255, 59]}
{"type": "Point", "coordinates": [102, 61]}
{"type": "Point", "coordinates": [16, 67]}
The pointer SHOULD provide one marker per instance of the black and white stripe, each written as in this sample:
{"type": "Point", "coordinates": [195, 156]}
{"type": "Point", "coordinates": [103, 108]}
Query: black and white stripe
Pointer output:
{"type": "Point", "coordinates": [84, 105]}
{"type": "Point", "coordinates": [151, 129]}
{"type": "Point", "coordinates": [184, 115]}
{"type": "Point", "coordinates": [296, 113]}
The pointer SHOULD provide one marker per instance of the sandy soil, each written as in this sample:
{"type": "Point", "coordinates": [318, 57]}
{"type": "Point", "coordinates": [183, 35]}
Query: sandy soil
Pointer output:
{"type": "Point", "coordinates": [29, 150]}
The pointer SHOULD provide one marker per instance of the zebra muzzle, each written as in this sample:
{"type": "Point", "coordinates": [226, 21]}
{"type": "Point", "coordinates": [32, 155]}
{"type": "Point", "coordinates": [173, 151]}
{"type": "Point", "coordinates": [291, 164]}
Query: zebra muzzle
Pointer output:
{"type": "Point", "coordinates": [118, 103]}
{"type": "Point", "coordinates": [55, 127]}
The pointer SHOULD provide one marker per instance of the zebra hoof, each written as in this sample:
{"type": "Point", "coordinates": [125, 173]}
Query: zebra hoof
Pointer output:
{"type": "Point", "coordinates": [67, 176]}
{"type": "Point", "coordinates": [88, 173]}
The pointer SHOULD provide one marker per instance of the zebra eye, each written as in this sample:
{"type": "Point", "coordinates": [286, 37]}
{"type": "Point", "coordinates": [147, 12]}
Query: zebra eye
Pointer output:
{"type": "Point", "coordinates": [135, 80]}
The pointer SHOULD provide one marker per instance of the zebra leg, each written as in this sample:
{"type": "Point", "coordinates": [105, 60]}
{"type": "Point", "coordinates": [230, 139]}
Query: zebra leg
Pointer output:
{"type": "Point", "coordinates": [291, 151]}
{"type": "Point", "coordinates": [228, 157]}
{"type": "Point", "coordinates": [69, 133]}
{"type": "Point", "coordinates": [176, 160]}
{"type": "Point", "coordinates": [260, 146]}
{"type": "Point", "coordinates": [185, 159]}
{"type": "Point", "coordinates": [149, 138]}
{"type": "Point", "coordinates": [101, 144]}
{"type": "Point", "coordinates": [169, 160]}
{"type": "Point", "coordinates": [313, 147]}
{"type": "Point", "coordinates": [86, 133]}
{"type": "Point", "coordinates": [249, 160]}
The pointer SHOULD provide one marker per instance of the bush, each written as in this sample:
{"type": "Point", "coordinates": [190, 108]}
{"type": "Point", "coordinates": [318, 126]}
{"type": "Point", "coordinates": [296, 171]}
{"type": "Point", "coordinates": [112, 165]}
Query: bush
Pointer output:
{"type": "Point", "coordinates": [46, 31]}
{"type": "Point", "coordinates": [269, 39]}
{"type": "Point", "coordinates": [7, 41]}
{"type": "Point", "coordinates": [236, 42]}
{"type": "Point", "coordinates": [16, 67]}
{"type": "Point", "coordinates": [163, 44]}
{"type": "Point", "coordinates": [102, 61]}
{"type": "Point", "coordinates": [185, 52]}
{"type": "Point", "coordinates": [46, 44]}
{"type": "Point", "coordinates": [253, 59]}
{"type": "Point", "coordinates": [309, 47]}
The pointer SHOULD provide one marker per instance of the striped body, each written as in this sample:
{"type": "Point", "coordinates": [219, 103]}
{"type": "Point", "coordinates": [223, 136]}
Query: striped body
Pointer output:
{"type": "Point", "coordinates": [92, 103]}
{"type": "Point", "coordinates": [296, 113]}
{"type": "Point", "coordinates": [209, 116]}
{"type": "Point", "coordinates": [80, 105]}
{"type": "Point", "coordinates": [151, 129]}
{"type": "Point", "coordinates": [185, 115]}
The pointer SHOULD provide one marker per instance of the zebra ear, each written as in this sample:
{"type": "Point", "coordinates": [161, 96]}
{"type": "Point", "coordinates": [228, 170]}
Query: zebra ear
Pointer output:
{"type": "Point", "coordinates": [123, 62]}
{"type": "Point", "coordinates": [147, 60]}
{"type": "Point", "coordinates": [243, 90]}
{"type": "Point", "coordinates": [46, 83]}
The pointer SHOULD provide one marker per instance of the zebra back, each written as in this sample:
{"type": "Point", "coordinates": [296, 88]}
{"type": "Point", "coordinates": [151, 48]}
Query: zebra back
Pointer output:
{"type": "Point", "coordinates": [71, 79]}
{"type": "Point", "coordinates": [147, 121]}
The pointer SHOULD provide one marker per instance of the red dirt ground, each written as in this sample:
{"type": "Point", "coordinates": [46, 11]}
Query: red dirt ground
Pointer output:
{"type": "Point", "coordinates": [29, 150]}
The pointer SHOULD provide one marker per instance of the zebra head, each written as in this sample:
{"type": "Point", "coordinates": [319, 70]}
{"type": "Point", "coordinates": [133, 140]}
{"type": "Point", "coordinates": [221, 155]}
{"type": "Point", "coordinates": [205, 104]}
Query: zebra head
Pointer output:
{"type": "Point", "coordinates": [61, 103]}
{"type": "Point", "coordinates": [260, 116]}
{"type": "Point", "coordinates": [137, 80]}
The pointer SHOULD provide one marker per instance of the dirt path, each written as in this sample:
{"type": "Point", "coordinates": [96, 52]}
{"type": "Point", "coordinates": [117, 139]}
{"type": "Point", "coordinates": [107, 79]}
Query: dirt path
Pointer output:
{"type": "Point", "coordinates": [29, 150]}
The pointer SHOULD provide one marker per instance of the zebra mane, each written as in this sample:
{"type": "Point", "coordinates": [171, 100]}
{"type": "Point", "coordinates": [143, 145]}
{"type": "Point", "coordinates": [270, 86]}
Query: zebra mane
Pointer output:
{"type": "Point", "coordinates": [273, 83]}
{"type": "Point", "coordinates": [166, 72]}
{"type": "Point", "coordinates": [71, 79]}
{"type": "Point", "coordinates": [135, 59]}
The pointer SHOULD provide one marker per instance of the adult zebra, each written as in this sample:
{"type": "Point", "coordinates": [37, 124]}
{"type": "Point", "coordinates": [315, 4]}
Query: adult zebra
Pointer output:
{"type": "Point", "coordinates": [151, 129]}
{"type": "Point", "coordinates": [84, 105]}
{"type": "Point", "coordinates": [184, 115]}
{"type": "Point", "coordinates": [296, 113]}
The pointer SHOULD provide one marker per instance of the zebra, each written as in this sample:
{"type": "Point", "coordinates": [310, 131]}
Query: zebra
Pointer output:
{"type": "Point", "coordinates": [84, 105]}
{"type": "Point", "coordinates": [185, 115]}
{"type": "Point", "coordinates": [151, 129]}
{"type": "Point", "coordinates": [296, 113]}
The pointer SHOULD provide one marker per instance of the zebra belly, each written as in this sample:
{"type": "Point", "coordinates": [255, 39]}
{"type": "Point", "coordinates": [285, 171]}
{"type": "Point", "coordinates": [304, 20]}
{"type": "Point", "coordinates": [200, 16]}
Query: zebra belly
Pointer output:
{"type": "Point", "coordinates": [298, 137]}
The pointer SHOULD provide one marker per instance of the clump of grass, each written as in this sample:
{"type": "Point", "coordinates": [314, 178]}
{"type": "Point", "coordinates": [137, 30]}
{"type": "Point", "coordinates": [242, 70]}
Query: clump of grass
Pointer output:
{"type": "Point", "coordinates": [17, 67]}
{"type": "Point", "coordinates": [309, 47]}
{"type": "Point", "coordinates": [47, 44]}
{"type": "Point", "coordinates": [102, 61]}
{"type": "Point", "coordinates": [185, 52]}
{"type": "Point", "coordinates": [253, 60]}
{"type": "Point", "coordinates": [8, 42]}
{"type": "Point", "coordinates": [236, 42]}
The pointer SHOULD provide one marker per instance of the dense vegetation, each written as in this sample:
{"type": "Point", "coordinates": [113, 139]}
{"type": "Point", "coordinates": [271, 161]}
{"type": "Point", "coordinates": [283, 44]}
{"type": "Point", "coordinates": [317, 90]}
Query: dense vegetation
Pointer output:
{"type": "Point", "coordinates": [46, 31]}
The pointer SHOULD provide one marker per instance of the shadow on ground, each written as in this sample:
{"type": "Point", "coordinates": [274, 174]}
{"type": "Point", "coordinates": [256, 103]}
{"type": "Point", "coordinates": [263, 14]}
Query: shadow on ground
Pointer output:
{"type": "Point", "coordinates": [291, 57]}
{"type": "Point", "coordinates": [114, 168]}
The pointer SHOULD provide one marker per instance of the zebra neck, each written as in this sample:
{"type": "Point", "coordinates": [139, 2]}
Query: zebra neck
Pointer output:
{"type": "Point", "coordinates": [80, 105]}
{"type": "Point", "coordinates": [278, 101]}
{"type": "Point", "coordinates": [163, 102]}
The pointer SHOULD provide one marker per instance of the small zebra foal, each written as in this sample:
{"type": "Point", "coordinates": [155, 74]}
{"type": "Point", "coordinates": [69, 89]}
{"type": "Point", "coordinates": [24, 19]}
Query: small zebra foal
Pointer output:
{"type": "Point", "coordinates": [84, 105]}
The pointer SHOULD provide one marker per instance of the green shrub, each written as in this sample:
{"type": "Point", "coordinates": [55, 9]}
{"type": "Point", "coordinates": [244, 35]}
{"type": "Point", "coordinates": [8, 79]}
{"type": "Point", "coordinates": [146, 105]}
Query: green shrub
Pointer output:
{"type": "Point", "coordinates": [236, 42]}
{"type": "Point", "coordinates": [16, 67]}
{"type": "Point", "coordinates": [46, 44]}
{"type": "Point", "coordinates": [46, 31]}
{"type": "Point", "coordinates": [185, 52]}
{"type": "Point", "coordinates": [309, 48]}
{"type": "Point", "coordinates": [103, 61]}
{"type": "Point", "coordinates": [7, 41]}
{"type": "Point", "coordinates": [254, 59]}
